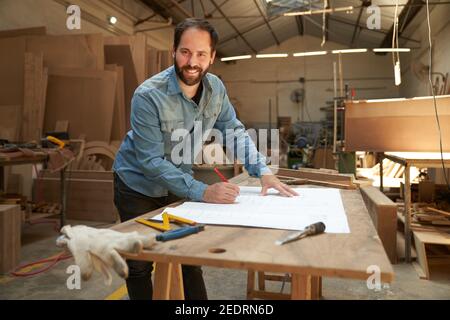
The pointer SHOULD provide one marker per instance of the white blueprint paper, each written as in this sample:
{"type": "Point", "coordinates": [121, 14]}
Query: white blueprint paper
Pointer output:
{"type": "Point", "coordinates": [271, 211]}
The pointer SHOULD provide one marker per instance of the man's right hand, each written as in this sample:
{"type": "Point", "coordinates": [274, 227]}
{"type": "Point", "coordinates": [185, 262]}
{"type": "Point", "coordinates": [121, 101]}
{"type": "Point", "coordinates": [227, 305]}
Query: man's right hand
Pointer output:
{"type": "Point", "coordinates": [222, 192]}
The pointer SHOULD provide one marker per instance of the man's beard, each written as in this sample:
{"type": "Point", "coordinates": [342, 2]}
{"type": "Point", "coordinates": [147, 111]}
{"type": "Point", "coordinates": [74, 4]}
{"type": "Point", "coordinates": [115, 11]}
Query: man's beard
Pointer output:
{"type": "Point", "coordinates": [190, 81]}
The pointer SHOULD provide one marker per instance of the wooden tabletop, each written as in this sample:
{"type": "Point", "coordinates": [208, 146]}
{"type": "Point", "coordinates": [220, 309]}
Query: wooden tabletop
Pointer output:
{"type": "Point", "coordinates": [420, 159]}
{"type": "Point", "coordinates": [331, 255]}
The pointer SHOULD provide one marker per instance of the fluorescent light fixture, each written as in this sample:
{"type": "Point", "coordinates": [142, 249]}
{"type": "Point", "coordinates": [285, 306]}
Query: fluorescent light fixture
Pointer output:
{"type": "Point", "coordinates": [112, 20]}
{"type": "Point", "coordinates": [236, 58]}
{"type": "Point", "coordinates": [272, 55]}
{"type": "Point", "coordinates": [349, 51]}
{"type": "Point", "coordinates": [309, 53]}
{"type": "Point", "coordinates": [310, 12]}
{"type": "Point", "coordinates": [391, 50]}
{"type": "Point", "coordinates": [385, 100]}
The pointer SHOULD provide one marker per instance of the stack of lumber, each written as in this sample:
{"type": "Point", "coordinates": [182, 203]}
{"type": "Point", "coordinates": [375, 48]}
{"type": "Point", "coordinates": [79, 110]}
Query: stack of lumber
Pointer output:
{"type": "Point", "coordinates": [81, 84]}
{"type": "Point", "coordinates": [392, 174]}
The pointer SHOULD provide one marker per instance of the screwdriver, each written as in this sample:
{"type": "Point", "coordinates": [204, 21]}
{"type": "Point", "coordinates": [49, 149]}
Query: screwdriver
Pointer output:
{"type": "Point", "coordinates": [179, 233]}
{"type": "Point", "coordinates": [315, 228]}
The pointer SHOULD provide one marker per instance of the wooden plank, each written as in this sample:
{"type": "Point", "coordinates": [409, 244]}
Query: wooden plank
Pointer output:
{"type": "Point", "coordinates": [152, 62]}
{"type": "Point", "coordinates": [421, 255]}
{"type": "Point", "coordinates": [12, 55]}
{"type": "Point", "coordinates": [10, 233]}
{"type": "Point", "coordinates": [83, 97]}
{"type": "Point", "coordinates": [383, 213]}
{"type": "Point", "coordinates": [35, 31]}
{"type": "Point", "coordinates": [33, 97]}
{"type": "Point", "coordinates": [118, 130]}
{"type": "Point", "coordinates": [10, 120]}
{"type": "Point", "coordinates": [137, 45]}
{"type": "Point", "coordinates": [405, 125]}
{"type": "Point", "coordinates": [163, 277]}
{"type": "Point", "coordinates": [121, 56]}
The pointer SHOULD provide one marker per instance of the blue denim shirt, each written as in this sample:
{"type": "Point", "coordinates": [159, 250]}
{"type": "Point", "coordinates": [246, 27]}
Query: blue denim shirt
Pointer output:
{"type": "Point", "coordinates": [158, 108]}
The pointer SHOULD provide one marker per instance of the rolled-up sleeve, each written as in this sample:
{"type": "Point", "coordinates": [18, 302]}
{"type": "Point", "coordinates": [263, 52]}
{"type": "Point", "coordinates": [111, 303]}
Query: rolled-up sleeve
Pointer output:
{"type": "Point", "coordinates": [149, 148]}
{"type": "Point", "coordinates": [244, 148]}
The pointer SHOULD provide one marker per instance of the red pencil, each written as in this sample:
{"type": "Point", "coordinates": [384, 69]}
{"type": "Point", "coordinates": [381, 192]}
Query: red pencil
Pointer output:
{"type": "Point", "coordinates": [220, 175]}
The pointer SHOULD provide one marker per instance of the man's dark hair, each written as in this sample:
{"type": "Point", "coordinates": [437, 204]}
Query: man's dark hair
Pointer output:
{"type": "Point", "coordinates": [200, 24]}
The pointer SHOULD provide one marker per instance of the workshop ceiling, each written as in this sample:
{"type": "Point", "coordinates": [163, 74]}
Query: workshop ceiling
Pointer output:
{"type": "Point", "coordinates": [249, 26]}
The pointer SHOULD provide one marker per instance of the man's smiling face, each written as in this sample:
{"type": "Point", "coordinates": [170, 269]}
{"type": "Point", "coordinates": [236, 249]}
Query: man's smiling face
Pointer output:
{"type": "Point", "coordinates": [193, 56]}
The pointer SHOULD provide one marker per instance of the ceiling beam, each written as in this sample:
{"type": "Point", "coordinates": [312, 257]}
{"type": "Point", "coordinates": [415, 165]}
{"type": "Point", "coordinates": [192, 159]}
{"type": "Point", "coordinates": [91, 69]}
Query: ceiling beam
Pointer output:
{"type": "Point", "coordinates": [355, 30]}
{"type": "Point", "coordinates": [255, 26]}
{"type": "Point", "coordinates": [267, 22]}
{"type": "Point", "coordinates": [362, 26]}
{"type": "Point", "coordinates": [299, 21]}
{"type": "Point", "coordinates": [404, 19]}
{"type": "Point", "coordinates": [233, 26]}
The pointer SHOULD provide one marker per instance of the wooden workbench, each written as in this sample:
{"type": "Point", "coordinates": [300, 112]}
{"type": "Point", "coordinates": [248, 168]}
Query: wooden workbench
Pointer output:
{"type": "Point", "coordinates": [408, 160]}
{"type": "Point", "coordinates": [327, 255]}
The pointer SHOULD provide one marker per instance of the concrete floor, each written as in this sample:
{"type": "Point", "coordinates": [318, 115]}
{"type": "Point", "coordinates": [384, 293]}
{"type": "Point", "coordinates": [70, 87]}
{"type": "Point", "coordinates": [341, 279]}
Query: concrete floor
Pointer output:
{"type": "Point", "coordinates": [38, 242]}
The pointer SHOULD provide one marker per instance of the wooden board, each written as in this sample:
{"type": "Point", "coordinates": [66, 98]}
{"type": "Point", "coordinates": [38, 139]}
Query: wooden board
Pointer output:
{"type": "Point", "coordinates": [118, 129]}
{"type": "Point", "coordinates": [10, 232]}
{"type": "Point", "coordinates": [152, 62]}
{"type": "Point", "coordinates": [121, 56]}
{"type": "Point", "coordinates": [137, 45]}
{"type": "Point", "coordinates": [36, 31]}
{"type": "Point", "coordinates": [87, 199]}
{"type": "Point", "coordinates": [383, 212]}
{"type": "Point", "coordinates": [406, 125]}
{"type": "Point", "coordinates": [83, 97]}
{"type": "Point", "coordinates": [69, 51]}
{"type": "Point", "coordinates": [10, 119]}
{"type": "Point", "coordinates": [12, 52]}
{"type": "Point", "coordinates": [34, 93]}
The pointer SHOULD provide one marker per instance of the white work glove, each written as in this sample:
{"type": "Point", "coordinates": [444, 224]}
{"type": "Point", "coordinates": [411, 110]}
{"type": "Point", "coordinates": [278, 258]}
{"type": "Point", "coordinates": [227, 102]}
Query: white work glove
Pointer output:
{"type": "Point", "coordinates": [96, 249]}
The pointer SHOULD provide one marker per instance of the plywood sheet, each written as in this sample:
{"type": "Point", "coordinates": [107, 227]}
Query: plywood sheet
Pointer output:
{"type": "Point", "coordinates": [121, 56]}
{"type": "Point", "coordinates": [69, 51]}
{"type": "Point", "coordinates": [83, 97]}
{"type": "Point", "coordinates": [10, 119]}
{"type": "Point", "coordinates": [12, 51]}
{"type": "Point", "coordinates": [118, 129]}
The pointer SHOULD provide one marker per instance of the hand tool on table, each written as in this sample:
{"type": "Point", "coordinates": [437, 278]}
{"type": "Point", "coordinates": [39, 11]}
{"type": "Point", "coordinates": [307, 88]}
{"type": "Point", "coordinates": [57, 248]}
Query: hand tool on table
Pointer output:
{"type": "Point", "coordinates": [168, 232]}
{"type": "Point", "coordinates": [315, 228]}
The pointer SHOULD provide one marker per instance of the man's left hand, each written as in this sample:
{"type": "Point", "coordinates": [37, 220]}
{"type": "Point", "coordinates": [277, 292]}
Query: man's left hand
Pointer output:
{"type": "Point", "coordinates": [271, 181]}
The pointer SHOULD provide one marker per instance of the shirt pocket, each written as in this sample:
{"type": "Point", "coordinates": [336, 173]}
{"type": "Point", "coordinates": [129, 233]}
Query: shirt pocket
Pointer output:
{"type": "Point", "coordinates": [210, 115]}
{"type": "Point", "coordinates": [167, 128]}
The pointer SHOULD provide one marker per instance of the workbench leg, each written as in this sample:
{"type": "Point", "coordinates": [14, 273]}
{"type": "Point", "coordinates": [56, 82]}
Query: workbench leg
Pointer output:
{"type": "Point", "coordinates": [62, 181]}
{"type": "Point", "coordinates": [261, 281]}
{"type": "Point", "coordinates": [316, 287]}
{"type": "Point", "coordinates": [176, 283]}
{"type": "Point", "coordinates": [407, 196]}
{"type": "Point", "coordinates": [301, 287]}
{"type": "Point", "coordinates": [163, 275]}
{"type": "Point", "coordinates": [250, 284]}
{"type": "Point", "coordinates": [381, 173]}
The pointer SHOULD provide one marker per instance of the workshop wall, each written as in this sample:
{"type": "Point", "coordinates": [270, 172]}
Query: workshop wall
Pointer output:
{"type": "Point", "coordinates": [251, 83]}
{"type": "Point", "coordinates": [52, 14]}
{"type": "Point", "coordinates": [414, 78]}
